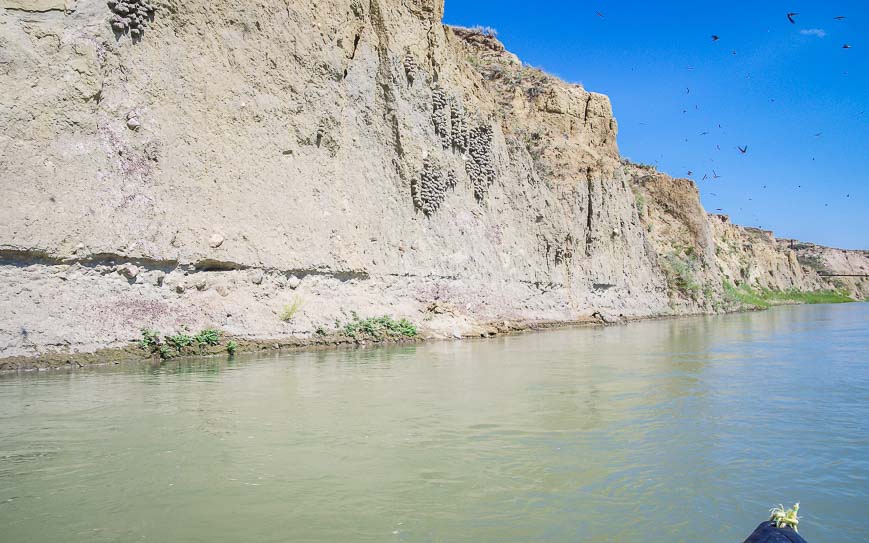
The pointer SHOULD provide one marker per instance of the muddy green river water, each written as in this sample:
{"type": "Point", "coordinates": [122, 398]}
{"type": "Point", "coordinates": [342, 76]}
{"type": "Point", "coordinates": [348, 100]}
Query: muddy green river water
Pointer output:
{"type": "Point", "coordinates": [666, 431]}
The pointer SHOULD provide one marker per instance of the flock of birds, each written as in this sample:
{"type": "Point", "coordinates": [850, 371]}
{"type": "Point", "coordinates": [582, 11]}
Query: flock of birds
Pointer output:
{"type": "Point", "coordinates": [792, 20]}
{"type": "Point", "coordinates": [743, 149]}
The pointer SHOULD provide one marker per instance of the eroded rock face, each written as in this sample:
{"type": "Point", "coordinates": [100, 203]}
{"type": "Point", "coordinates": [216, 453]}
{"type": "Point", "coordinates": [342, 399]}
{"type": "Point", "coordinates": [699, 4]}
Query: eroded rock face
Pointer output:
{"type": "Point", "coordinates": [699, 254]}
{"type": "Point", "coordinates": [354, 154]}
{"type": "Point", "coordinates": [843, 269]}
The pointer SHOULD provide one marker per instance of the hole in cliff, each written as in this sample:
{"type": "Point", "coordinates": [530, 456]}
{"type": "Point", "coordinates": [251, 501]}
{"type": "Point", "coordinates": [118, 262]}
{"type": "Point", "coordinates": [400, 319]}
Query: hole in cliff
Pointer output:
{"type": "Point", "coordinates": [95, 97]}
{"type": "Point", "coordinates": [217, 265]}
{"type": "Point", "coordinates": [355, 46]}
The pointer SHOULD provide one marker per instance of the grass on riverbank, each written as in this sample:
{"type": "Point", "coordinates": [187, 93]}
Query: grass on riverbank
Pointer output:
{"type": "Point", "coordinates": [761, 298]}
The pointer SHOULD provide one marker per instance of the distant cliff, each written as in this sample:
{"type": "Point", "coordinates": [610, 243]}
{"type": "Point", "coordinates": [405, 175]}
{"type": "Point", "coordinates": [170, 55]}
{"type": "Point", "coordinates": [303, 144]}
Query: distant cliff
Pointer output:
{"type": "Point", "coordinates": [172, 164]}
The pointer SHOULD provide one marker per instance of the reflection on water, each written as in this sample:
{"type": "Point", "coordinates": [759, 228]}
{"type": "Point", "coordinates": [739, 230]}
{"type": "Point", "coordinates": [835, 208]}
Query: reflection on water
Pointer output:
{"type": "Point", "coordinates": [679, 430]}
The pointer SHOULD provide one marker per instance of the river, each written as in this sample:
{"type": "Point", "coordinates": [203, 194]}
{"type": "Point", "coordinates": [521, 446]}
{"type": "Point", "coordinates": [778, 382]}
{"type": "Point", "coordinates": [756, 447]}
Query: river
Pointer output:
{"type": "Point", "coordinates": [660, 431]}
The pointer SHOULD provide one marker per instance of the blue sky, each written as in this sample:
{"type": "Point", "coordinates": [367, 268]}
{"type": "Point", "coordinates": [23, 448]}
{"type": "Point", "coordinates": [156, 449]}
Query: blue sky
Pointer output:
{"type": "Point", "coordinates": [790, 92]}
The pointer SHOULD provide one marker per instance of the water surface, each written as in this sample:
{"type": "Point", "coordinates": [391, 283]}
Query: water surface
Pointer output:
{"type": "Point", "coordinates": [679, 430]}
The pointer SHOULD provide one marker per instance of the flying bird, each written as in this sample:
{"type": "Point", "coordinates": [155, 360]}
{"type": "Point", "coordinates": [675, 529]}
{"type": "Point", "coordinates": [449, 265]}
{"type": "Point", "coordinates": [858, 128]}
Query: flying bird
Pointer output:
{"type": "Point", "coordinates": [715, 175]}
{"type": "Point", "coordinates": [838, 17]}
{"type": "Point", "coordinates": [703, 133]}
{"type": "Point", "coordinates": [791, 18]}
{"type": "Point", "coordinates": [705, 177]}
{"type": "Point", "coordinates": [715, 37]}
{"type": "Point", "coordinates": [846, 46]}
{"type": "Point", "coordinates": [742, 150]}
{"type": "Point", "coordinates": [818, 134]}
{"type": "Point", "coordinates": [690, 172]}
{"type": "Point", "coordinates": [599, 14]}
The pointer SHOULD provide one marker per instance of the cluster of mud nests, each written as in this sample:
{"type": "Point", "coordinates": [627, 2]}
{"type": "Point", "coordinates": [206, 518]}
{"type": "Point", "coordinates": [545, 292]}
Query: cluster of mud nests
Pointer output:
{"type": "Point", "coordinates": [131, 16]}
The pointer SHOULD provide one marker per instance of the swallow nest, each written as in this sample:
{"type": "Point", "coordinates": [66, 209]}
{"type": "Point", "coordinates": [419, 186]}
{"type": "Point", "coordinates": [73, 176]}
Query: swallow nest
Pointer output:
{"type": "Point", "coordinates": [430, 189]}
{"type": "Point", "coordinates": [131, 16]}
{"type": "Point", "coordinates": [453, 126]}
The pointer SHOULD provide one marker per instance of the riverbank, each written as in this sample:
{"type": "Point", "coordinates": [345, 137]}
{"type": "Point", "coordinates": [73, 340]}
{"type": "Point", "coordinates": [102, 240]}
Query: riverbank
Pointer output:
{"type": "Point", "coordinates": [135, 353]}
{"type": "Point", "coordinates": [229, 345]}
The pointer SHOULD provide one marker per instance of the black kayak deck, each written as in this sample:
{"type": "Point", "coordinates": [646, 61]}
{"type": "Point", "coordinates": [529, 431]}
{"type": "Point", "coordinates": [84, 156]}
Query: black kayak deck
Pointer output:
{"type": "Point", "coordinates": [766, 532]}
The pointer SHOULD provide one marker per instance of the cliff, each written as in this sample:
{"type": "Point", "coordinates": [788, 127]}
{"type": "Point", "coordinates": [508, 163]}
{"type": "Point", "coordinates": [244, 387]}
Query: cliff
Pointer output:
{"type": "Point", "coordinates": [843, 269]}
{"type": "Point", "coordinates": [207, 163]}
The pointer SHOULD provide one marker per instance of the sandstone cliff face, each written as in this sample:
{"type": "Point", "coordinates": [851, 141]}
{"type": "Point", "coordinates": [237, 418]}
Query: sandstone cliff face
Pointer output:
{"type": "Point", "coordinates": [840, 268]}
{"type": "Point", "coordinates": [752, 256]}
{"type": "Point", "coordinates": [681, 236]}
{"type": "Point", "coordinates": [700, 253]}
{"type": "Point", "coordinates": [352, 155]}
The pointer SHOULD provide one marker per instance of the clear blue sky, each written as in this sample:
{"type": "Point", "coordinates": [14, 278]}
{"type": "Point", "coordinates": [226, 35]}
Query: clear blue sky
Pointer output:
{"type": "Point", "coordinates": [785, 84]}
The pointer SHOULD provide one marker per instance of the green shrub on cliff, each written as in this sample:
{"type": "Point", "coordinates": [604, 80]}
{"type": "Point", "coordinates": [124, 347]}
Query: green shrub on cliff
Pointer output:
{"type": "Point", "coordinates": [641, 203]}
{"type": "Point", "coordinates": [153, 345]}
{"type": "Point", "coordinates": [379, 328]}
{"type": "Point", "coordinates": [289, 310]}
{"type": "Point", "coordinates": [814, 262]}
{"type": "Point", "coordinates": [150, 339]}
{"type": "Point", "coordinates": [680, 273]}
{"type": "Point", "coordinates": [208, 337]}
{"type": "Point", "coordinates": [181, 343]}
